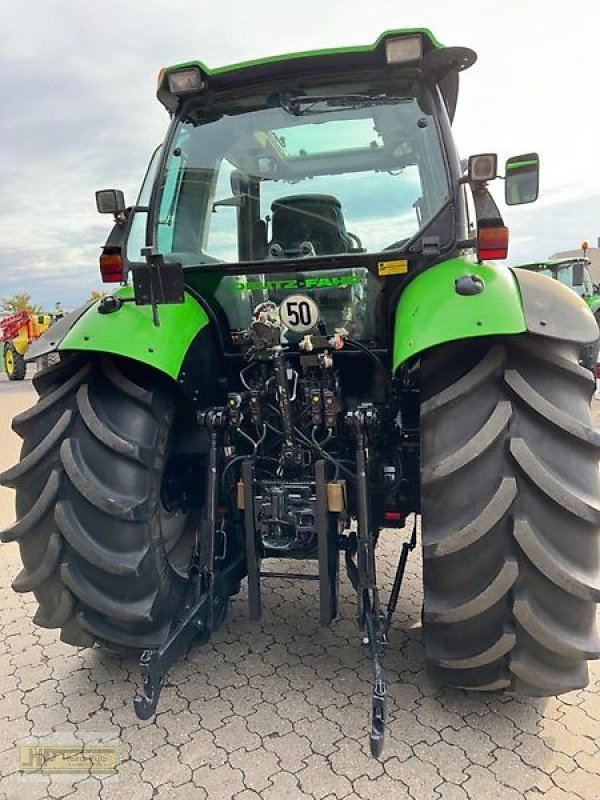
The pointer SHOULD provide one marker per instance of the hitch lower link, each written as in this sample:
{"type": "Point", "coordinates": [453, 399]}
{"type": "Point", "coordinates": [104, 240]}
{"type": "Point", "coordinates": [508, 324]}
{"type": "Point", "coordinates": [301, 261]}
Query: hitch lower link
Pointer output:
{"type": "Point", "coordinates": [209, 591]}
{"type": "Point", "coordinates": [362, 574]}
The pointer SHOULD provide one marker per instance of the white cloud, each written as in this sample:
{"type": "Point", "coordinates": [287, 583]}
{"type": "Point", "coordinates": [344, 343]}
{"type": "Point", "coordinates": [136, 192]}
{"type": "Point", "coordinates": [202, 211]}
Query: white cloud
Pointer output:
{"type": "Point", "coordinates": [79, 113]}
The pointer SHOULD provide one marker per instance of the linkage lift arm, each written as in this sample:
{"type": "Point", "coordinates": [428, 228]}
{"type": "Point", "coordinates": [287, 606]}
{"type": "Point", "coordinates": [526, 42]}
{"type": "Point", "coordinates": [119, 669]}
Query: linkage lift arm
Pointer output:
{"type": "Point", "coordinates": [207, 587]}
{"type": "Point", "coordinates": [362, 573]}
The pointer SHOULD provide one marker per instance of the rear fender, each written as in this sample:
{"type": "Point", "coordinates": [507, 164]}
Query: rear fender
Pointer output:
{"type": "Point", "coordinates": [557, 311]}
{"type": "Point", "coordinates": [131, 333]}
{"type": "Point", "coordinates": [553, 309]}
{"type": "Point", "coordinates": [432, 311]}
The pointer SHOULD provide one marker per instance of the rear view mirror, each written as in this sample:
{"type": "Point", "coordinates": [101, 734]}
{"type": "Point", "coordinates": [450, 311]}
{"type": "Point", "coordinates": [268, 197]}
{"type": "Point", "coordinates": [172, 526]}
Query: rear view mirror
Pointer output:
{"type": "Point", "coordinates": [522, 179]}
{"type": "Point", "coordinates": [110, 201]}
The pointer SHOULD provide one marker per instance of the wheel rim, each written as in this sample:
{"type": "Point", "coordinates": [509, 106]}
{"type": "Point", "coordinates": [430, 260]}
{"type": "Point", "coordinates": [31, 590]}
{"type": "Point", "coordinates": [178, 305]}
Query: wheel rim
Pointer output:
{"type": "Point", "coordinates": [178, 525]}
{"type": "Point", "coordinates": [174, 525]}
{"type": "Point", "coordinates": [9, 362]}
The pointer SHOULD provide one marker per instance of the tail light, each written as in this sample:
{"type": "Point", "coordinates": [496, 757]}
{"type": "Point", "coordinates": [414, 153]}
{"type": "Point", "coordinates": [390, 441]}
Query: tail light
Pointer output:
{"type": "Point", "coordinates": [492, 243]}
{"type": "Point", "coordinates": [394, 516]}
{"type": "Point", "coordinates": [111, 268]}
{"type": "Point", "coordinates": [597, 372]}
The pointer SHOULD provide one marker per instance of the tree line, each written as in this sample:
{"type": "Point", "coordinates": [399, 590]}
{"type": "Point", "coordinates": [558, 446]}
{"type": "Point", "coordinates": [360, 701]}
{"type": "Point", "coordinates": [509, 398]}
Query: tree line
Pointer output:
{"type": "Point", "coordinates": [21, 301]}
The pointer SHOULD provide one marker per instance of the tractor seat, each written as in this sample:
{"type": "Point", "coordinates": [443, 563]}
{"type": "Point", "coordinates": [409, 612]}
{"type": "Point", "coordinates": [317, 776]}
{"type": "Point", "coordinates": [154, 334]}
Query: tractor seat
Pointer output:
{"type": "Point", "coordinates": [315, 218]}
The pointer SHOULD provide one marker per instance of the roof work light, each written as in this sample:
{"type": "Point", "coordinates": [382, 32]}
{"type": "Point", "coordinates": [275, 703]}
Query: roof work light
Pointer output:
{"type": "Point", "coordinates": [404, 50]}
{"type": "Point", "coordinates": [185, 81]}
{"type": "Point", "coordinates": [483, 167]}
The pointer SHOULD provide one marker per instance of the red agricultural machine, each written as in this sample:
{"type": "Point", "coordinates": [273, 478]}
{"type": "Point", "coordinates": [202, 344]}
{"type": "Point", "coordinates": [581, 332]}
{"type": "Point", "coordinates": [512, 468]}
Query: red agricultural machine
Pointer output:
{"type": "Point", "coordinates": [17, 331]}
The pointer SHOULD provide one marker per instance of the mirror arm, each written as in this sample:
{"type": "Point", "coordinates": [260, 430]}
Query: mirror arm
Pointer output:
{"type": "Point", "coordinates": [122, 217]}
{"type": "Point", "coordinates": [485, 206]}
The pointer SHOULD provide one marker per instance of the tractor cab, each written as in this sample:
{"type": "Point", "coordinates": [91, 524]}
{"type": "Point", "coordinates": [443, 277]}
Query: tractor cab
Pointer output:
{"type": "Point", "coordinates": [334, 175]}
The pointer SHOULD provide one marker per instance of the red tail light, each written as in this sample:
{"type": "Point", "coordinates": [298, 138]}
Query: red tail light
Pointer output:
{"type": "Point", "coordinates": [492, 243]}
{"type": "Point", "coordinates": [393, 516]}
{"type": "Point", "coordinates": [111, 268]}
{"type": "Point", "coordinates": [597, 371]}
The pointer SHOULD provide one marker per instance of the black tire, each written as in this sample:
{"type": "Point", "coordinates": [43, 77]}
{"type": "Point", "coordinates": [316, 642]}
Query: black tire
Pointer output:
{"type": "Point", "coordinates": [511, 515]}
{"type": "Point", "coordinates": [105, 559]}
{"type": "Point", "coordinates": [14, 363]}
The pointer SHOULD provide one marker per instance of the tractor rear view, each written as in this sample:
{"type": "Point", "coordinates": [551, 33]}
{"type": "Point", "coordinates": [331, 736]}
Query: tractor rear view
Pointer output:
{"type": "Point", "coordinates": [310, 341]}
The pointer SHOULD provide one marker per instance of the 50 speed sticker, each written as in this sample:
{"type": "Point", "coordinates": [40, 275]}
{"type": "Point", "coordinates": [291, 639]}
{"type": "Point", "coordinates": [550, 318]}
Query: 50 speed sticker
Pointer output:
{"type": "Point", "coordinates": [299, 313]}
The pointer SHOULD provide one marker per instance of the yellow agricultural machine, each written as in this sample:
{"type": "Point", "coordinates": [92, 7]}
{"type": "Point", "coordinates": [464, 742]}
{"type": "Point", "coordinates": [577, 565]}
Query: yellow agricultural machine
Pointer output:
{"type": "Point", "coordinates": [17, 331]}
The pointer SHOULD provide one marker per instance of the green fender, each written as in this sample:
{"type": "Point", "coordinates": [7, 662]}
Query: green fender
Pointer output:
{"type": "Point", "coordinates": [593, 303]}
{"type": "Point", "coordinates": [431, 312]}
{"type": "Point", "coordinates": [130, 332]}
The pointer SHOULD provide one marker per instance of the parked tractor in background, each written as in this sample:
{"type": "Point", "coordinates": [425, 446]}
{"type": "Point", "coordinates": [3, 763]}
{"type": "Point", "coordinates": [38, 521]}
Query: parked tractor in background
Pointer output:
{"type": "Point", "coordinates": [310, 341]}
{"type": "Point", "coordinates": [574, 273]}
{"type": "Point", "coordinates": [17, 331]}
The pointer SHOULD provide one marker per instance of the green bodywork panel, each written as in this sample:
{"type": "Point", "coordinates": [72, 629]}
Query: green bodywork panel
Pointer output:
{"type": "Point", "coordinates": [430, 312]}
{"type": "Point", "coordinates": [521, 164]}
{"type": "Point", "coordinates": [131, 332]}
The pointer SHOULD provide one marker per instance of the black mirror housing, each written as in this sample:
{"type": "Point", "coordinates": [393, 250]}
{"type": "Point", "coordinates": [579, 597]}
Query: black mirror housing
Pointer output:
{"type": "Point", "coordinates": [522, 181]}
{"type": "Point", "coordinates": [110, 201]}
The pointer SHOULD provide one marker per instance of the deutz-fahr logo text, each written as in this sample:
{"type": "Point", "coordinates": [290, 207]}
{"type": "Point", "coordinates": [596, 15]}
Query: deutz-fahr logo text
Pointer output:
{"type": "Point", "coordinates": [321, 282]}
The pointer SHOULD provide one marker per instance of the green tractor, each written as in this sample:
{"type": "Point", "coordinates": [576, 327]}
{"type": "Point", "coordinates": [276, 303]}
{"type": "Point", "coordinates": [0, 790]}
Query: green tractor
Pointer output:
{"type": "Point", "coordinates": [309, 341]}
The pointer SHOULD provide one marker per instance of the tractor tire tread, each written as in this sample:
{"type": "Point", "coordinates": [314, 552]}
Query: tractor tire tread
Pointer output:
{"type": "Point", "coordinates": [473, 449]}
{"type": "Point", "coordinates": [27, 581]}
{"type": "Point", "coordinates": [102, 431]}
{"type": "Point", "coordinates": [15, 475]}
{"type": "Point", "coordinates": [31, 415]}
{"type": "Point", "coordinates": [42, 505]}
{"type": "Point", "coordinates": [511, 536]}
{"type": "Point", "coordinates": [88, 504]}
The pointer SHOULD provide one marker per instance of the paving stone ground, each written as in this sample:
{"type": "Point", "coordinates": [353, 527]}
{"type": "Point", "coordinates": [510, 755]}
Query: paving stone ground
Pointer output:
{"type": "Point", "coordinates": [279, 710]}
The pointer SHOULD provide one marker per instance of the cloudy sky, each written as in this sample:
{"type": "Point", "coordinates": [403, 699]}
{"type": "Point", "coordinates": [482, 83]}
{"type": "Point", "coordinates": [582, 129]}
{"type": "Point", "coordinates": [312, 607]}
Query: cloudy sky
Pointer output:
{"type": "Point", "coordinates": [78, 80]}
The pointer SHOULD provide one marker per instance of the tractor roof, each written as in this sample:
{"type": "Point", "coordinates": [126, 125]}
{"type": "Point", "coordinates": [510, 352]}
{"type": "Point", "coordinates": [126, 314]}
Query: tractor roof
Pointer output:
{"type": "Point", "coordinates": [441, 63]}
{"type": "Point", "coordinates": [553, 263]}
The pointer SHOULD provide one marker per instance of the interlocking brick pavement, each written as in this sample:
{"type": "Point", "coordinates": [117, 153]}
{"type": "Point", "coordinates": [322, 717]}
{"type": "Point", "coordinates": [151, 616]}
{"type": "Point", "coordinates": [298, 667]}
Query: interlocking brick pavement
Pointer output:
{"type": "Point", "coordinates": [279, 710]}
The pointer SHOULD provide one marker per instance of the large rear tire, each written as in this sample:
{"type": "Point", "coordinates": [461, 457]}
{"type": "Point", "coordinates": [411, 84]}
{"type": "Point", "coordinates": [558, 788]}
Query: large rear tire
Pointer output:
{"type": "Point", "coordinates": [511, 514]}
{"type": "Point", "coordinates": [104, 556]}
